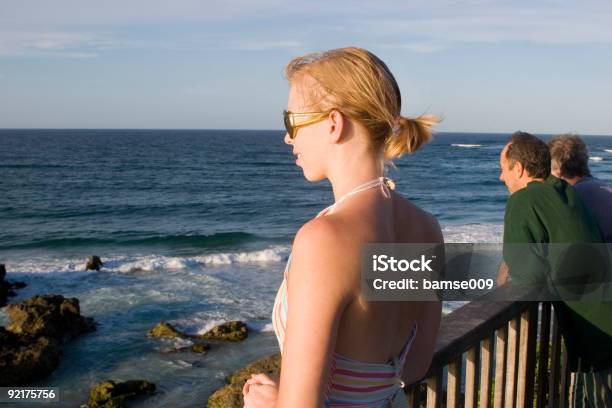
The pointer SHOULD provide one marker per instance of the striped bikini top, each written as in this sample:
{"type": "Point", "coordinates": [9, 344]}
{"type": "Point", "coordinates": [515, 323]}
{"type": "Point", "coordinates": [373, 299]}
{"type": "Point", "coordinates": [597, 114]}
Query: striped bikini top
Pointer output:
{"type": "Point", "coordinates": [351, 383]}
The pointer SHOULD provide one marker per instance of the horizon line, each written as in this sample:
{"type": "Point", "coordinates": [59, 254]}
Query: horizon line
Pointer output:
{"type": "Point", "coordinates": [281, 130]}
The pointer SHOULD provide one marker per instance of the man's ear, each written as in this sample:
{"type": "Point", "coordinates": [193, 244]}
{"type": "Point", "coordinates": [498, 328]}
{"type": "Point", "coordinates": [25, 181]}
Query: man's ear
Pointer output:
{"type": "Point", "coordinates": [519, 170]}
{"type": "Point", "coordinates": [337, 123]}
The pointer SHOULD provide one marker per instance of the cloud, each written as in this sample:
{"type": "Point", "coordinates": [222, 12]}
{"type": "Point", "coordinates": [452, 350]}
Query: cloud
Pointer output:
{"type": "Point", "coordinates": [77, 29]}
{"type": "Point", "coordinates": [59, 13]}
{"type": "Point", "coordinates": [52, 44]}
{"type": "Point", "coordinates": [494, 22]}
{"type": "Point", "coordinates": [58, 44]}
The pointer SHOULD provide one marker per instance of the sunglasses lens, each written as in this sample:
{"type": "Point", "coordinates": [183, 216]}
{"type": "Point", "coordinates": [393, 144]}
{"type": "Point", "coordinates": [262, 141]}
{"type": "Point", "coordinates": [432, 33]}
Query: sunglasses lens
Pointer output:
{"type": "Point", "coordinates": [288, 126]}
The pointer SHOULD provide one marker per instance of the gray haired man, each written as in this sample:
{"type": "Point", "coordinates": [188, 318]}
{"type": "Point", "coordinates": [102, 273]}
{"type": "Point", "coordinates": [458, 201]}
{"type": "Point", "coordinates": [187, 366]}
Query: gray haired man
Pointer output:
{"type": "Point", "coordinates": [570, 162]}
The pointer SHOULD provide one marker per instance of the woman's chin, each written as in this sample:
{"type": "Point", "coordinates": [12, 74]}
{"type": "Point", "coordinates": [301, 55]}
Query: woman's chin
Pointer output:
{"type": "Point", "coordinates": [312, 177]}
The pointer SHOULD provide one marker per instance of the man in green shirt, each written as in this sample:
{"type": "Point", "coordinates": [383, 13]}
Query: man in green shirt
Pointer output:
{"type": "Point", "coordinates": [543, 209]}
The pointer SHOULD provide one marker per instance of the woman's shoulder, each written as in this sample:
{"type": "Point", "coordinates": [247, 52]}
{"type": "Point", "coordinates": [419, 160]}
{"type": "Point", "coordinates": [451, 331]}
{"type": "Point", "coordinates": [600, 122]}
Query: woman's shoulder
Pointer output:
{"type": "Point", "coordinates": [418, 220]}
{"type": "Point", "coordinates": [324, 235]}
{"type": "Point", "coordinates": [321, 256]}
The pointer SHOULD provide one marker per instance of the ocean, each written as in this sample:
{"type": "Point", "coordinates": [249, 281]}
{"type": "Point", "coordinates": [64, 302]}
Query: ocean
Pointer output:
{"type": "Point", "coordinates": [194, 228]}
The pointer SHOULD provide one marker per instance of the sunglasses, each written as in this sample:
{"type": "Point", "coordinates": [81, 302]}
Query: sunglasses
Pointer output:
{"type": "Point", "coordinates": [294, 121]}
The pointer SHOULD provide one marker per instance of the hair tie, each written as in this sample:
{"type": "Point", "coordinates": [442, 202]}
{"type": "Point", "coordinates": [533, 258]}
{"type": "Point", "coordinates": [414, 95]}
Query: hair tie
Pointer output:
{"type": "Point", "coordinates": [396, 126]}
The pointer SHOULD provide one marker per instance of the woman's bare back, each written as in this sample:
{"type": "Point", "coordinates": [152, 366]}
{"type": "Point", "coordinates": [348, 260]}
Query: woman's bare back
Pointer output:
{"type": "Point", "coordinates": [377, 331]}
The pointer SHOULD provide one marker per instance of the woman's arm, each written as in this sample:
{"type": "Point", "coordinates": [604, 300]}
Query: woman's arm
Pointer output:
{"type": "Point", "coordinates": [420, 355]}
{"type": "Point", "coordinates": [421, 352]}
{"type": "Point", "coordinates": [318, 292]}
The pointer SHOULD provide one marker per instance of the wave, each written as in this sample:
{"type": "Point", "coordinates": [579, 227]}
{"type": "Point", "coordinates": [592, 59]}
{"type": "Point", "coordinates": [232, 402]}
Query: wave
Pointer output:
{"type": "Point", "coordinates": [117, 211]}
{"type": "Point", "coordinates": [151, 263]}
{"type": "Point", "coordinates": [473, 233]}
{"type": "Point", "coordinates": [33, 166]}
{"type": "Point", "coordinates": [467, 145]}
{"type": "Point", "coordinates": [608, 150]}
{"type": "Point", "coordinates": [196, 240]}
{"type": "Point", "coordinates": [596, 158]}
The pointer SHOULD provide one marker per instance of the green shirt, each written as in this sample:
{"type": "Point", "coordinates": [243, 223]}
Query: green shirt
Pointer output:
{"type": "Point", "coordinates": [552, 212]}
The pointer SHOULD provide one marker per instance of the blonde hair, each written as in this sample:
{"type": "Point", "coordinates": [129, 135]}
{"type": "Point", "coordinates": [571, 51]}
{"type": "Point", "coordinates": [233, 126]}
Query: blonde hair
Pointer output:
{"type": "Point", "coordinates": [359, 84]}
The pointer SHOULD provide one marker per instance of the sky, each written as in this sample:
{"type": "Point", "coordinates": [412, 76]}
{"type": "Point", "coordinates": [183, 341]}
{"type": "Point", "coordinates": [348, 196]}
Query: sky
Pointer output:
{"type": "Point", "coordinates": [483, 66]}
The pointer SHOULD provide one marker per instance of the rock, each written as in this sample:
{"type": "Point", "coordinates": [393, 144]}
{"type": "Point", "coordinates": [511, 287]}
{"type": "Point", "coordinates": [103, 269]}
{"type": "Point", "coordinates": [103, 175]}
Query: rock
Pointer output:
{"type": "Point", "coordinates": [163, 329]}
{"type": "Point", "coordinates": [6, 291]}
{"type": "Point", "coordinates": [6, 288]}
{"type": "Point", "coordinates": [228, 331]}
{"type": "Point", "coordinates": [111, 394]}
{"type": "Point", "coordinates": [230, 396]}
{"type": "Point", "coordinates": [49, 315]}
{"type": "Point", "coordinates": [268, 365]}
{"type": "Point", "coordinates": [24, 359]}
{"type": "Point", "coordinates": [226, 397]}
{"type": "Point", "coordinates": [94, 263]}
{"type": "Point", "coordinates": [30, 346]}
{"type": "Point", "coordinates": [19, 285]}
{"type": "Point", "coordinates": [200, 347]}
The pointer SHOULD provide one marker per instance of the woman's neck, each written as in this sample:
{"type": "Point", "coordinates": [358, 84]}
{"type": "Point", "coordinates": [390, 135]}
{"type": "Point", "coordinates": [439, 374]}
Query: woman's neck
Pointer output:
{"type": "Point", "coordinates": [352, 172]}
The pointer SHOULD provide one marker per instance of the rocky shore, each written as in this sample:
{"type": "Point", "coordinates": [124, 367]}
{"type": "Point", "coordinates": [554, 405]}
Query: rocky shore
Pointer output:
{"type": "Point", "coordinates": [230, 396]}
{"type": "Point", "coordinates": [112, 394]}
{"type": "Point", "coordinates": [40, 327]}
{"type": "Point", "coordinates": [31, 344]}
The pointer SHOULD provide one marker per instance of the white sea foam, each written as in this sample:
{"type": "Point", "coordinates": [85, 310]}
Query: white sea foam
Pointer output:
{"type": "Point", "coordinates": [273, 254]}
{"type": "Point", "coordinates": [494, 147]}
{"type": "Point", "coordinates": [182, 363]}
{"type": "Point", "coordinates": [608, 150]}
{"type": "Point", "coordinates": [448, 307]}
{"type": "Point", "coordinates": [596, 158]}
{"type": "Point", "coordinates": [210, 324]}
{"type": "Point", "coordinates": [473, 233]}
{"type": "Point", "coordinates": [468, 145]}
{"type": "Point", "coordinates": [149, 263]}
{"type": "Point", "coordinates": [267, 328]}
{"type": "Point", "coordinates": [261, 326]}
{"type": "Point", "coordinates": [171, 343]}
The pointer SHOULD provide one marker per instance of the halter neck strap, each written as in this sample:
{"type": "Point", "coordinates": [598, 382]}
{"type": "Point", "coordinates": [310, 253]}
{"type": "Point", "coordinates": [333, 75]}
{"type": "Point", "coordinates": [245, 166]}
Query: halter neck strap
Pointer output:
{"type": "Point", "coordinates": [386, 184]}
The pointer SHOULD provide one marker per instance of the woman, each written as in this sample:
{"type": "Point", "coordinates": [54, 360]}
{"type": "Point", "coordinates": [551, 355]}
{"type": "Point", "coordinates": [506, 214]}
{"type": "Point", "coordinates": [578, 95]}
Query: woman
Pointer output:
{"type": "Point", "coordinates": [344, 124]}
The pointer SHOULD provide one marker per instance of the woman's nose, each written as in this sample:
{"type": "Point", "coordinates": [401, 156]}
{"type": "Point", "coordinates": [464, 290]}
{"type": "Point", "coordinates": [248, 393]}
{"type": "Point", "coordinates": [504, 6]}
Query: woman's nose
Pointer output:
{"type": "Point", "coordinates": [288, 140]}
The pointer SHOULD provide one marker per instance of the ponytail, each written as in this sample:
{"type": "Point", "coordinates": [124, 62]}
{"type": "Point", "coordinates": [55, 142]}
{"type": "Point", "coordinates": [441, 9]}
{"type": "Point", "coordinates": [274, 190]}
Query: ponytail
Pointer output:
{"type": "Point", "coordinates": [408, 135]}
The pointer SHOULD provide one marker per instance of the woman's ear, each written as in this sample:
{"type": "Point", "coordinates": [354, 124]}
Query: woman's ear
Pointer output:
{"type": "Point", "coordinates": [337, 123]}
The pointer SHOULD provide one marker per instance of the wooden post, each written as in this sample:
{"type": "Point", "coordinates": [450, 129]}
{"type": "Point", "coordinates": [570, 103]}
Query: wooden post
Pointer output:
{"type": "Point", "coordinates": [471, 377]}
{"type": "Point", "coordinates": [453, 384]}
{"type": "Point", "coordinates": [528, 332]}
{"type": "Point", "coordinates": [434, 389]}
{"type": "Point", "coordinates": [511, 362]}
{"type": "Point", "coordinates": [555, 363]}
{"type": "Point", "coordinates": [486, 353]}
{"type": "Point", "coordinates": [543, 361]}
{"type": "Point", "coordinates": [572, 390]}
{"type": "Point", "coordinates": [500, 364]}
{"type": "Point", "coordinates": [564, 379]}
{"type": "Point", "coordinates": [412, 395]}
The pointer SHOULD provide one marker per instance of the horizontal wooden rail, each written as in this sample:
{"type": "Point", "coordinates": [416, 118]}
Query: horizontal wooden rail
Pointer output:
{"type": "Point", "coordinates": [486, 356]}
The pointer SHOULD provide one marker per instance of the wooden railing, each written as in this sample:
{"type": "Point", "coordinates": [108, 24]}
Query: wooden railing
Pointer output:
{"type": "Point", "coordinates": [496, 354]}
